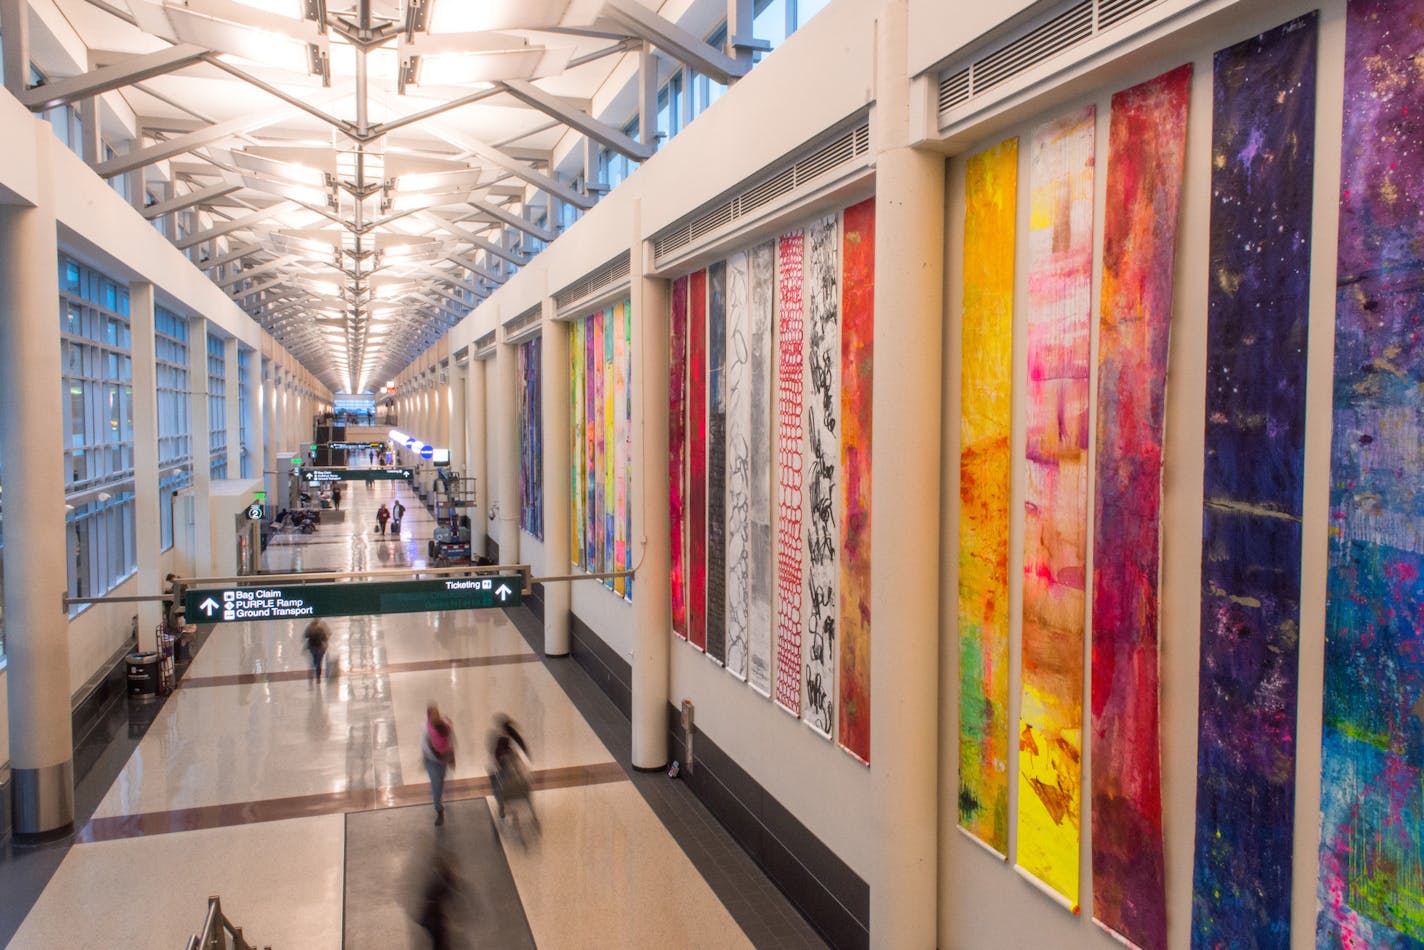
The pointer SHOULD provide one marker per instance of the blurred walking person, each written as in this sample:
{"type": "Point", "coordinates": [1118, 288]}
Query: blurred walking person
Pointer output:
{"type": "Point", "coordinates": [317, 636]}
{"type": "Point", "coordinates": [437, 748]}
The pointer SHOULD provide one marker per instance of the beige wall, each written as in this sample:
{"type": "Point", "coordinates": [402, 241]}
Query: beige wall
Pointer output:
{"type": "Point", "coordinates": [981, 894]}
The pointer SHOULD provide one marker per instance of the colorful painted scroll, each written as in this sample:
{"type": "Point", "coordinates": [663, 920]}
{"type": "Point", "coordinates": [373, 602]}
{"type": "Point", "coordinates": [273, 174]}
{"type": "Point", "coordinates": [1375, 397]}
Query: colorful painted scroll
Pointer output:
{"type": "Point", "coordinates": [738, 465]}
{"type": "Point", "coordinates": [1147, 145]}
{"type": "Point", "coordinates": [790, 460]}
{"type": "Point", "coordinates": [531, 440]}
{"type": "Point", "coordinates": [578, 497]}
{"type": "Point", "coordinates": [600, 376]}
{"type": "Point", "coordinates": [761, 314]}
{"type": "Point", "coordinates": [717, 461]}
{"type": "Point", "coordinates": [622, 454]}
{"type": "Point", "coordinates": [1060, 281]}
{"type": "Point", "coordinates": [822, 388]}
{"type": "Point", "coordinates": [677, 456]}
{"type": "Point", "coordinates": [991, 182]}
{"type": "Point", "coordinates": [1258, 314]}
{"type": "Point", "coordinates": [857, 371]}
{"type": "Point", "coordinates": [697, 461]}
{"type": "Point", "coordinates": [1371, 884]}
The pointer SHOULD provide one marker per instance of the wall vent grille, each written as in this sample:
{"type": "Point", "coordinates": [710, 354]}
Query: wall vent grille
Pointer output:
{"type": "Point", "coordinates": [485, 345]}
{"type": "Point", "coordinates": [521, 323]}
{"type": "Point", "coordinates": [1112, 11]}
{"type": "Point", "coordinates": [1071, 26]}
{"type": "Point", "coordinates": [604, 277]}
{"type": "Point", "coordinates": [844, 148]}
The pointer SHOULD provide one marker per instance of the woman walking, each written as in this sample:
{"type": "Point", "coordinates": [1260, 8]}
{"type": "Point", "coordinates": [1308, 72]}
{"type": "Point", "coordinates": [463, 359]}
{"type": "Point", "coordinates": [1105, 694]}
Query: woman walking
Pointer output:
{"type": "Point", "coordinates": [437, 748]}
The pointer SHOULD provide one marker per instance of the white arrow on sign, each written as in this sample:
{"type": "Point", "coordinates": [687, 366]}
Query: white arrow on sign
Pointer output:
{"type": "Point", "coordinates": [503, 591]}
{"type": "Point", "coordinates": [208, 606]}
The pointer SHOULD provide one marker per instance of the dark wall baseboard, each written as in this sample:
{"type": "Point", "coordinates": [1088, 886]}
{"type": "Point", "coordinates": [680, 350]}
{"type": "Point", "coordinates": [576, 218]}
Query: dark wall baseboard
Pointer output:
{"type": "Point", "coordinates": [826, 891]}
{"type": "Point", "coordinates": [104, 689]}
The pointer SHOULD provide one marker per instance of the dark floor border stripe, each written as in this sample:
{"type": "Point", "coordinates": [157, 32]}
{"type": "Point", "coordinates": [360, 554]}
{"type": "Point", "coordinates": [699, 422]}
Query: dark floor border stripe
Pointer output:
{"type": "Point", "coordinates": [827, 893]}
{"type": "Point", "coordinates": [415, 666]}
{"type": "Point", "coordinates": [329, 803]}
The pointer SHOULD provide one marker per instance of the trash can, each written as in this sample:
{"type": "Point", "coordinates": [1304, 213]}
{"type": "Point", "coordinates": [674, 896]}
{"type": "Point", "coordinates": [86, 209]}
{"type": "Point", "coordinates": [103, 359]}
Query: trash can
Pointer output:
{"type": "Point", "coordinates": [143, 674]}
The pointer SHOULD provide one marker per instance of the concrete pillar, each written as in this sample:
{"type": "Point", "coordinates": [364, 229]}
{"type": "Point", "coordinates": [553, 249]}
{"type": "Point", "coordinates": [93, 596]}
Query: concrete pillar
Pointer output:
{"type": "Point", "coordinates": [148, 541]}
{"type": "Point", "coordinates": [256, 425]}
{"type": "Point", "coordinates": [477, 420]}
{"type": "Point", "coordinates": [506, 455]}
{"type": "Point", "coordinates": [93, 145]}
{"type": "Point", "coordinates": [232, 407]}
{"type": "Point", "coordinates": [554, 403]}
{"type": "Point", "coordinates": [273, 476]}
{"type": "Point", "coordinates": [441, 436]}
{"type": "Point", "coordinates": [15, 35]}
{"type": "Point", "coordinates": [648, 96]}
{"type": "Point", "coordinates": [203, 565]}
{"type": "Point", "coordinates": [36, 624]}
{"type": "Point", "coordinates": [652, 605]}
{"type": "Point", "coordinates": [905, 497]}
{"type": "Point", "coordinates": [740, 14]}
{"type": "Point", "coordinates": [457, 392]}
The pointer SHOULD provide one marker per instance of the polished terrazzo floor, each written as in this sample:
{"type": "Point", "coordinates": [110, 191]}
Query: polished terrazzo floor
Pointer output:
{"type": "Point", "coordinates": [250, 779]}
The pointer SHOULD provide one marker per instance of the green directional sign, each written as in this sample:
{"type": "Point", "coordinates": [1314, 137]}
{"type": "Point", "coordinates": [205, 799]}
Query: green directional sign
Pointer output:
{"type": "Point", "coordinates": [316, 475]}
{"type": "Point", "coordinates": [355, 446]}
{"type": "Point", "coordinates": [306, 601]}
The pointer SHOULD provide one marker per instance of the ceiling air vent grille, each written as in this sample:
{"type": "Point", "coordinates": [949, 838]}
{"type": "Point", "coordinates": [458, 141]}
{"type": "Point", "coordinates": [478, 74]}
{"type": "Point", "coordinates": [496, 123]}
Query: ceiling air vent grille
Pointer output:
{"type": "Point", "coordinates": [954, 89]}
{"type": "Point", "coordinates": [518, 326]}
{"type": "Point", "coordinates": [1113, 11]}
{"type": "Point", "coordinates": [609, 275]}
{"type": "Point", "coordinates": [844, 148]}
{"type": "Point", "coordinates": [1071, 26]}
{"type": "Point", "coordinates": [485, 345]}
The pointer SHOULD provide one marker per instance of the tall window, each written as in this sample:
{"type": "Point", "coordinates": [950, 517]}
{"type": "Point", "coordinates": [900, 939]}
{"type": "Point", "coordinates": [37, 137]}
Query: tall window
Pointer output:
{"type": "Point", "coordinates": [97, 385]}
{"type": "Point", "coordinates": [217, 407]}
{"type": "Point", "coordinates": [244, 414]}
{"type": "Point", "coordinates": [97, 378]}
{"type": "Point", "coordinates": [175, 440]}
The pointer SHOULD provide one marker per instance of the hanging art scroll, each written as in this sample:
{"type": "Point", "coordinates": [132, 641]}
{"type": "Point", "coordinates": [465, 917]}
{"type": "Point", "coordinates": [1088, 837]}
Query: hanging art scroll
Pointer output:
{"type": "Point", "coordinates": [761, 314]}
{"type": "Point", "coordinates": [857, 371]}
{"type": "Point", "coordinates": [790, 462]}
{"type": "Point", "coordinates": [600, 374]}
{"type": "Point", "coordinates": [677, 456]}
{"type": "Point", "coordinates": [1147, 146]}
{"type": "Point", "coordinates": [738, 465]}
{"type": "Point", "coordinates": [697, 460]}
{"type": "Point", "coordinates": [991, 182]}
{"type": "Point", "coordinates": [1371, 884]}
{"type": "Point", "coordinates": [717, 462]}
{"type": "Point", "coordinates": [1257, 320]}
{"type": "Point", "coordinates": [1060, 247]}
{"type": "Point", "coordinates": [822, 412]}
{"type": "Point", "coordinates": [531, 441]}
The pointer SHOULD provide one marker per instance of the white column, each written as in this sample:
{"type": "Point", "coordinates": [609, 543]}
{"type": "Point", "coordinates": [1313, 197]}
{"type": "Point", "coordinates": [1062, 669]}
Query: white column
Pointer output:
{"type": "Point", "coordinates": [652, 606]}
{"type": "Point", "coordinates": [476, 417]}
{"type": "Point", "coordinates": [457, 391]}
{"type": "Point", "coordinates": [272, 476]}
{"type": "Point", "coordinates": [202, 449]}
{"type": "Point", "coordinates": [257, 429]}
{"type": "Point", "coordinates": [905, 498]}
{"type": "Point", "coordinates": [35, 572]}
{"type": "Point", "coordinates": [441, 394]}
{"type": "Point", "coordinates": [554, 451]}
{"type": "Point", "coordinates": [506, 458]}
{"type": "Point", "coordinates": [14, 15]}
{"type": "Point", "coordinates": [232, 407]}
{"type": "Point", "coordinates": [147, 538]}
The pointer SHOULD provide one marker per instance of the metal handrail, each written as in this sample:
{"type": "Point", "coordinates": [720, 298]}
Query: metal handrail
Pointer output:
{"type": "Point", "coordinates": [218, 932]}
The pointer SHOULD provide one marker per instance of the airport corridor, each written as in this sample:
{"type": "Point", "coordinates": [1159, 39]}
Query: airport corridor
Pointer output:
{"type": "Point", "coordinates": [305, 806]}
